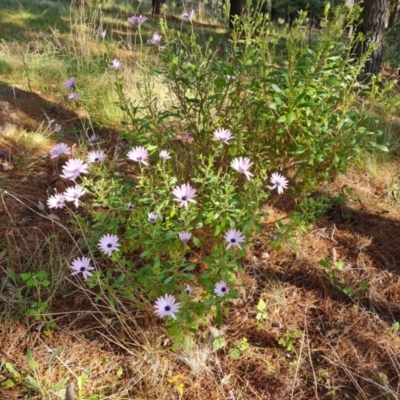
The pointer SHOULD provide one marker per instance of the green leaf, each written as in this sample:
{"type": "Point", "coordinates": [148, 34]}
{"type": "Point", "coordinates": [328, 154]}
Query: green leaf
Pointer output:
{"type": "Point", "coordinates": [168, 280]}
{"type": "Point", "coordinates": [196, 241]}
{"type": "Point", "coordinates": [81, 381]}
{"type": "Point", "coordinates": [60, 385]}
{"type": "Point", "coordinates": [234, 353]}
{"type": "Point", "coordinates": [30, 359]}
{"type": "Point", "coordinates": [11, 370]}
{"type": "Point", "coordinates": [218, 343]}
{"type": "Point", "coordinates": [42, 275]}
{"type": "Point", "coordinates": [220, 82]}
{"type": "Point", "coordinates": [380, 147]}
{"type": "Point", "coordinates": [290, 117]}
{"type": "Point", "coordinates": [261, 305]}
{"type": "Point", "coordinates": [8, 384]}
{"type": "Point", "coordinates": [54, 355]}
{"type": "Point", "coordinates": [25, 276]}
{"type": "Point", "coordinates": [276, 88]}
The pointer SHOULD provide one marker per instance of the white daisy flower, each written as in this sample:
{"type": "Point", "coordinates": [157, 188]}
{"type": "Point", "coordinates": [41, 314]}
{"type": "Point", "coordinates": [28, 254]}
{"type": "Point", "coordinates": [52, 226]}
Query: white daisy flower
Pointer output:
{"type": "Point", "coordinates": [167, 306]}
{"type": "Point", "coordinates": [60, 149]}
{"type": "Point", "coordinates": [108, 244]}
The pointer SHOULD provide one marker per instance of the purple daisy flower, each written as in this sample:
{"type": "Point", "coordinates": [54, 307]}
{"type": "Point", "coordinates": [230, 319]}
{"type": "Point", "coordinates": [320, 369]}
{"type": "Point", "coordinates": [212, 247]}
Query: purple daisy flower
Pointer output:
{"type": "Point", "coordinates": [188, 16]}
{"type": "Point", "coordinates": [138, 154]}
{"type": "Point", "coordinates": [70, 84]}
{"type": "Point", "coordinates": [82, 266]}
{"type": "Point", "coordinates": [185, 236]}
{"type": "Point", "coordinates": [74, 194]}
{"type": "Point", "coordinates": [59, 150]}
{"type": "Point", "coordinates": [102, 34]}
{"type": "Point", "coordinates": [73, 168]}
{"type": "Point", "coordinates": [183, 194]}
{"type": "Point", "coordinates": [96, 156]}
{"type": "Point", "coordinates": [188, 136]}
{"type": "Point", "coordinates": [57, 128]}
{"type": "Point", "coordinates": [234, 238]}
{"type": "Point", "coordinates": [230, 78]}
{"type": "Point", "coordinates": [165, 155]}
{"type": "Point", "coordinates": [115, 64]}
{"type": "Point", "coordinates": [73, 96]}
{"type": "Point", "coordinates": [137, 20]}
{"type": "Point", "coordinates": [167, 306]}
{"type": "Point", "coordinates": [279, 182]}
{"type": "Point", "coordinates": [56, 201]}
{"type": "Point", "coordinates": [221, 289]}
{"type": "Point", "coordinates": [242, 165]}
{"type": "Point", "coordinates": [155, 40]}
{"type": "Point", "coordinates": [224, 135]}
{"type": "Point", "coordinates": [152, 217]}
{"type": "Point", "coordinates": [94, 139]}
{"type": "Point", "coordinates": [108, 244]}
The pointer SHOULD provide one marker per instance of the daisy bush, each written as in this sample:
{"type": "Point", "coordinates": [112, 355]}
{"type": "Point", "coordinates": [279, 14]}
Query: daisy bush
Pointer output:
{"type": "Point", "coordinates": [242, 127]}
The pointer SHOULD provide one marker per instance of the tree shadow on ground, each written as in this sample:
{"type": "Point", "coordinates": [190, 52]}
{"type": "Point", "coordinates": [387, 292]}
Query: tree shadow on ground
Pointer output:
{"type": "Point", "coordinates": [384, 249]}
{"type": "Point", "coordinates": [369, 245]}
{"type": "Point", "coordinates": [30, 110]}
{"type": "Point", "coordinates": [24, 22]}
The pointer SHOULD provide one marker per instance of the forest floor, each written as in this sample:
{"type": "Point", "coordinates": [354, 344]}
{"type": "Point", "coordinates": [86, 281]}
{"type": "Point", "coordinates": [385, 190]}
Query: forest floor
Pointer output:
{"type": "Point", "coordinates": [327, 332]}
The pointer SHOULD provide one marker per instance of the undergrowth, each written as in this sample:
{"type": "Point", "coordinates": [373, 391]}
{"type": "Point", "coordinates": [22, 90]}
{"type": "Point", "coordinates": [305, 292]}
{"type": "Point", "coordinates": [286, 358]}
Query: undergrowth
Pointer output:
{"type": "Point", "coordinates": [210, 136]}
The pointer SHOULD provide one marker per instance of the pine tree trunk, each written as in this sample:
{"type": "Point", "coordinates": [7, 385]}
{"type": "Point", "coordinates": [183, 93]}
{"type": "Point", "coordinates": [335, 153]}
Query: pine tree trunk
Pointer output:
{"type": "Point", "coordinates": [394, 15]}
{"type": "Point", "coordinates": [372, 26]}
{"type": "Point", "coordinates": [274, 11]}
{"type": "Point", "coordinates": [156, 6]}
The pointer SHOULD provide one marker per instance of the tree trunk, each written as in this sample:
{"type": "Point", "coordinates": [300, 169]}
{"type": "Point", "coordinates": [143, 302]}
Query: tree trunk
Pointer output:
{"type": "Point", "coordinates": [157, 6]}
{"type": "Point", "coordinates": [274, 11]}
{"type": "Point", "coordinates": [373, 18]}
{"type": "Point", "coordinates": [394, 15]}
{"type": "Point", "coordinates": [79, 3]}
{"type": "Point", "coordinates": [235, 10]}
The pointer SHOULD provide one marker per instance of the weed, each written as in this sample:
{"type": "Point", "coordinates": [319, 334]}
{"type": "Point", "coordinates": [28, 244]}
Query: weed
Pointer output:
{"type": "Point", "coordinates": [288, 340]}
{"type": "Point", "coordinates": [261, 315]}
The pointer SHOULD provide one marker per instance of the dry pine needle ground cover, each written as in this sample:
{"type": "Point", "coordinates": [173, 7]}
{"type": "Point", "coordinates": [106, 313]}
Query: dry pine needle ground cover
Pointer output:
{"type": "Point", "coordinates": [325, 333]}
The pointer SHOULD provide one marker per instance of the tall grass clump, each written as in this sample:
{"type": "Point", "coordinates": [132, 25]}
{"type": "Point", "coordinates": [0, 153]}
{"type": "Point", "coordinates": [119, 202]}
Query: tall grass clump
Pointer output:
{"type": "Point", "coordinates": [169, 218]}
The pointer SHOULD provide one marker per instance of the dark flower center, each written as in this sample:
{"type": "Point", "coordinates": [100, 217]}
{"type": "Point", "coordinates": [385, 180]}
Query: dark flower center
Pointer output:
{"type": "Point", "coordinates": [233, 240]}
{"type": "Point", "coordinates": [109, 245]}
{"type": "Point", "coordinates": [223, 289]}
{"type": "Point", "coordinates": [167, 308]}
{"type": "Point", "coordinates": [139, 158]}
{"type": "Point", "coordinates": [82, 269]}
{"type": "Point", "coordinates": [184, 198]}
{"type": "Point", "coordinates": [97, 159]}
